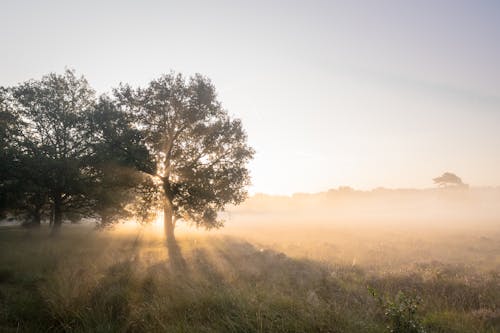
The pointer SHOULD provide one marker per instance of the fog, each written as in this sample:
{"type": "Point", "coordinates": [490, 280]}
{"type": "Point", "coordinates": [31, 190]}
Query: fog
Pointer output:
{"type": "Point", "coordinates": [447, 208]}
{"type": "Point", "coordinates": [280, 264]}
{"type": "Point", "coordinates": [380, 230]}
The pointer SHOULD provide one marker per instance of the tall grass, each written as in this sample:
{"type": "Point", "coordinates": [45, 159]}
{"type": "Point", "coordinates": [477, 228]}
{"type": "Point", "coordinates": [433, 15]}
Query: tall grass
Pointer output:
{"type": "Point", "coordinates": [89, 281]}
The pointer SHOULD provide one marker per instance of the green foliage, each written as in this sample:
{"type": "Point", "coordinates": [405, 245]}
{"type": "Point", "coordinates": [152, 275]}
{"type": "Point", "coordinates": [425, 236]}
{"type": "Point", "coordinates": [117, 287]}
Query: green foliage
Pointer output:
{"type": "Point", "coordinates": [401, 312]}
{"type": "Point", "coordinates": [119, 154]}
{"type": "Point", "coordinates": [67, 154]}
{"type": "Point", "coordinates": [201, 153]}
{"type": "Point", "coordinates": [50, 141]}
{"type": "Point", "coordinates": [9, 157]}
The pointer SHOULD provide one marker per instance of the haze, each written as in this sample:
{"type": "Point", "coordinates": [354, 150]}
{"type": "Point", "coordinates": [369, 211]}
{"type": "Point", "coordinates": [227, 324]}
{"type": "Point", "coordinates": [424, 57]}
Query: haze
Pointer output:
{"type": "Point", "coordinates": [365, 94]}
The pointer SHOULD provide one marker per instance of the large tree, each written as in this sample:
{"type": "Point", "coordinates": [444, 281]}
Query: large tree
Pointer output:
{"type": "Point", "coordinates": [201, 153]}
{"type": "Point", "coordinates": [53, 142]}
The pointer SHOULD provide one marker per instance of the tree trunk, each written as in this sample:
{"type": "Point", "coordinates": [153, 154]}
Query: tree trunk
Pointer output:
{"type": "Point", "coordinates": [57, 214]}
{"type": "Point", "coordinates": [174, 252]}
{"type": "Point", "coordinates": [37, 218]}
{"type": "Point", "coordinates": [51, 220]}
{"type": "Point", "coordinates": [168, 222]}
{"type": "Point", "coordinates": [34, 220]}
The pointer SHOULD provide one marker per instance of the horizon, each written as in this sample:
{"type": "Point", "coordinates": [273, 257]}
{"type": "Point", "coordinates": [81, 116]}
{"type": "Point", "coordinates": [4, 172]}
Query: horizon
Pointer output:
{"type": "Point", "coordinates": [374, 189]}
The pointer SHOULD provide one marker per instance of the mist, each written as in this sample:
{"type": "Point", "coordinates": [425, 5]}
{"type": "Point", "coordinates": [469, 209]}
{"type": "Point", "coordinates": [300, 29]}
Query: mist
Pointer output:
{"type": "Point", "coordinates": [445, 208]}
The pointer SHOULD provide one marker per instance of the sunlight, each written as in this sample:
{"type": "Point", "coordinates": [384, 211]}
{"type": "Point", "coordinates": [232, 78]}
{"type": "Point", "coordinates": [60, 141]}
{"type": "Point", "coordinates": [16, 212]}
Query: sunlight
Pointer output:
{"type": "Point", "coordinates": [158, 222]}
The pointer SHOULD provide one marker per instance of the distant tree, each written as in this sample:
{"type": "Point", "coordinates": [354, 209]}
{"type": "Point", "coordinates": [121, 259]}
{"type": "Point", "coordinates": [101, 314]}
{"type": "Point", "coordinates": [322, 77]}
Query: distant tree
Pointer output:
{"type": "Point", "coordinates": [200, 152]}
{"type": "Point", "coordinates": [448, 179]}
{"type": "Point", "coordinates": [53, 142]}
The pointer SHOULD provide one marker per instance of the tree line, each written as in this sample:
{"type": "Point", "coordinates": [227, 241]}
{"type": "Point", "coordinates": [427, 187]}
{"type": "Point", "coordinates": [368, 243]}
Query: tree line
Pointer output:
{"type": "Point", "coordinates": [67, 153]}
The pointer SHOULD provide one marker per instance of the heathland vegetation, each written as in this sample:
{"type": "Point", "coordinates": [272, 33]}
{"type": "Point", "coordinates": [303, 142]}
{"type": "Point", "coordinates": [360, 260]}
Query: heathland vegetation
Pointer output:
{"type": "Point", "coordinates": [274, 278]}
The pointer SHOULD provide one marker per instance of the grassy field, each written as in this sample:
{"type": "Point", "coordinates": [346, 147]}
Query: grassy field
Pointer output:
{"type": "Point", "coordinates": [248, 280]}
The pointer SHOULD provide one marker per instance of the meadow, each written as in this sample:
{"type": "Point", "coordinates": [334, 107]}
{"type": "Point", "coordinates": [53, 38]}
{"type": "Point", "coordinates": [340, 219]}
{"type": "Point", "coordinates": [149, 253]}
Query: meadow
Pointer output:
{"type": "Point", "coordinates": [250, 278]}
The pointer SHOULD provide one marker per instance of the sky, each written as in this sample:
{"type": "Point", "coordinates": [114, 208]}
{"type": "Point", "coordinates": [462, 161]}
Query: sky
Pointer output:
{"type": "Point", "coordinates": [331, 93]}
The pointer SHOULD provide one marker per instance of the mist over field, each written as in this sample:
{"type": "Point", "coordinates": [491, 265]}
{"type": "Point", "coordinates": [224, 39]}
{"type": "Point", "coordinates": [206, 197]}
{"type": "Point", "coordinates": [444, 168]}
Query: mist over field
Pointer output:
{"type": "Point", "coordinates": [341, 261]}
{"type": "Point", "coordinates": [382, 228]}
{"type": "Point", "coordinates": [400, 208]}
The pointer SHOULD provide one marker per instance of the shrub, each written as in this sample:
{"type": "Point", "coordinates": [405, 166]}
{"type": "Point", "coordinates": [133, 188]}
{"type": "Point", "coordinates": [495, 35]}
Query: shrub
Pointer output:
{"type": "Point", "coordinates": [400, 312]}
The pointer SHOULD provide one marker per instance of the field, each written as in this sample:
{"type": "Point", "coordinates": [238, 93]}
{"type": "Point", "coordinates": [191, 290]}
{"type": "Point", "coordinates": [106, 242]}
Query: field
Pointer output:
{"type": "Point", "coordinates": [279, 278]}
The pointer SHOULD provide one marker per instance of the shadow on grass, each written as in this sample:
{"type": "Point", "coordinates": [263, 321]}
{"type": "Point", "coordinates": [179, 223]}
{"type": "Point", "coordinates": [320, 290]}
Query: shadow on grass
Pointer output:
{"type": "Point", "coordinates": [176, 260]}
{"type": "Point", "coordinates": [214, 284]}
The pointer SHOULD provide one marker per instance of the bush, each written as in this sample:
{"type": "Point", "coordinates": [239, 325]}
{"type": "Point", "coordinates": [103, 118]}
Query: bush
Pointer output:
{"type": "Point", "coordinates": [400, 312]}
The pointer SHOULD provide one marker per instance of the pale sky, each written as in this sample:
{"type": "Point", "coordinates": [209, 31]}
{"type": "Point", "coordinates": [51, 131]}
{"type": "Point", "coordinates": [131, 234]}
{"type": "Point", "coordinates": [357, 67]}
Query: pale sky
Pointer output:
{"type": "Point", "coordinates": [357, 93]}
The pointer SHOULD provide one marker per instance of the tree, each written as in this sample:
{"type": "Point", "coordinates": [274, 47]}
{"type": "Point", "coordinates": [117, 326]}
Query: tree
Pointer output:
{"type": "Point", "coordinates": [53, 141]}
{"type": "Point", "coordinates": [7, 154]}
{"type": "Point", "coordinates": [448, 179]}
{"type": "Point", "coordinates": [118, 148]}
{"type": "Point", "coordinates": [19, 195]}
{"type": "Point", "coordinates": [200, 152]}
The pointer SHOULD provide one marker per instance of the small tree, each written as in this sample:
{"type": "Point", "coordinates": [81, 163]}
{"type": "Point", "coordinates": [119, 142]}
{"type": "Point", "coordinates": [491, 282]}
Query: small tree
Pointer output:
{"type": "Point", "coordinates": [200, 152]}
{"type": "Point", "coordinates": [448, 179]}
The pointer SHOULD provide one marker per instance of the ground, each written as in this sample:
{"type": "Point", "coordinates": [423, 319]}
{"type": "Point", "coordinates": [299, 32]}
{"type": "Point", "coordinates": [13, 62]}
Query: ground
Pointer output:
{"type": "Point", "coordinates": [283, 279]}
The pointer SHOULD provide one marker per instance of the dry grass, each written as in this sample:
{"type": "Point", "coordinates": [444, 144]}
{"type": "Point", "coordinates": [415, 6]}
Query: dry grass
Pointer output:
{"type": "Point", "coordinates": [245, 280]}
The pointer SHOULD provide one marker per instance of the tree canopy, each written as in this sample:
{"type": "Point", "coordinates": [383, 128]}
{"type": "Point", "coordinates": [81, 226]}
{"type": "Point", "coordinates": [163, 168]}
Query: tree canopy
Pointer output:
{"type": "Point", "coordinates": [52, 143]}
{"type": "Point", "coordinates": [118, 147]}
{"type": "Point", "coordinates": [200, 152]}
{"type": "Point", "coordinates": [66, 153]}
{"type": "Point", "coordinates": [448, 179]}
